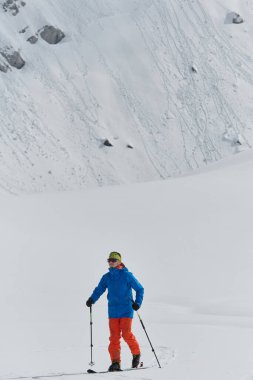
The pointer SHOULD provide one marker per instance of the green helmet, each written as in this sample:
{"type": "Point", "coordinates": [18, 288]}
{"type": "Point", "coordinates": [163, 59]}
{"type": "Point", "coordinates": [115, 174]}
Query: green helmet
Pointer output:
{"type": "Point", "coordinates": [115, 255]}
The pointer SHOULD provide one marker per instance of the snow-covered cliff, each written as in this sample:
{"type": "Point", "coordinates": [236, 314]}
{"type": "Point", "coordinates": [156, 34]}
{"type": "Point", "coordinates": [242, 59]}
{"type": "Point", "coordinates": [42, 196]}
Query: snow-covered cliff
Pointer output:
{"type": "Point", "coordinates": [169, 84]}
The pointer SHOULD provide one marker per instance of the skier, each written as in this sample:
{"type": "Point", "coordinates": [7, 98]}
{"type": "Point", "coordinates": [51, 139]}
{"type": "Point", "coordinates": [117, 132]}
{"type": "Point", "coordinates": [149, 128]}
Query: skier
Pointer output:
{"type": "Point", "coordinates": [120, 282]}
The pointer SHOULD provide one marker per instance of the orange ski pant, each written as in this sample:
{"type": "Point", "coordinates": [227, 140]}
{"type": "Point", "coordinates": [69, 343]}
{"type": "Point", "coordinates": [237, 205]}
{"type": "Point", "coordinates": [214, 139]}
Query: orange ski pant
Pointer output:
{"type": "Point", "coordinates": [121, 327]}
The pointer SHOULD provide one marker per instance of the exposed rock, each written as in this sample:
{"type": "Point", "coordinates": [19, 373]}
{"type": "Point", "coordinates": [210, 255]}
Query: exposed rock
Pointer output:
{"type": "Point", "coordinates": [107, 143]}
{"type": "Point", "coordinates": [51, 34]}
{"type": "Point", "coordinates": [235, 139]}
{"type": "Point", "coordinates": [194, 69]}
{"type": "Point", "coordinates": [233, 18]}
{"type": "Point", "coordinates": [238, 140]}
{"type": "Point", "coordinates": [24, 30]}
{"type": "Point", "coordinates": [32, 39]}
{"type": "Point", "coordinates": [13, 58]}
{"type": "Point", "coordinates": [13, 6]}
{"type": "Point", "coordinates": [4, 68]}
{"type": "Point", "coordinates": [237, 19]}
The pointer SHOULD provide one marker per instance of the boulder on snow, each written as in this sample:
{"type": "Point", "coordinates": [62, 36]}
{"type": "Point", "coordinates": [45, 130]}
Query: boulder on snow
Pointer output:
{"type": "Point", "coordinates": [13, 58]}
{"type": "Point", "coordinates": [238, 140]}
{"type": "Point", "coordinates": [237, 19]}
{"type": "Point", "coordinates": [24, 29]}
{"type": "Point", "coordinates": [233, 18]}
{"type": "Point", "coordinates": [4, 68]}
{"type": "Point", "coordinates": [13, 6]}
{"type": "Point", "coordinates": [32, 40]}
{"type": "Point", "coordinates": [51, 35]}
{"type": "Point", "coordinates": [107, 143]}
{"type": "Point", "coordinates": [235, 139]}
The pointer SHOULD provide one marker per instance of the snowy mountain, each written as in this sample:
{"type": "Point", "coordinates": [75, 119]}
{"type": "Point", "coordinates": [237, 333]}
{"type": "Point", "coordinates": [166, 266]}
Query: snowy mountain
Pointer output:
{"type": "Point", "coordinates": [188, 240]}
{"type": "Point", "coordinates": [107, 92]}
{"type": "Point", "coordinates": [104, 92]}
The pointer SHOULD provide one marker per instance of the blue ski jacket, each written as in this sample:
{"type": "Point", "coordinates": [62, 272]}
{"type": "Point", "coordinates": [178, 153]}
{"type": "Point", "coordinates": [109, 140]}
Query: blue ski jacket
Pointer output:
{"type": "Point", "coordinates": [119, 283]}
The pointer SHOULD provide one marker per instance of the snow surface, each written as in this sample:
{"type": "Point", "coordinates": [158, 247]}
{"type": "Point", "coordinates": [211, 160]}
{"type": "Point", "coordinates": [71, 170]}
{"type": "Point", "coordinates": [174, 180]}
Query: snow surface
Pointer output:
{"type": "Point", "coordinates": [124, 73]}
{"type": "Point", "coordinates": [188, 240]}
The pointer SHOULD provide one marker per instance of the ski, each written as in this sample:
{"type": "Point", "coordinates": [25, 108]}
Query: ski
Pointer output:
{"type": "Point", "coordinates": [91, 371]}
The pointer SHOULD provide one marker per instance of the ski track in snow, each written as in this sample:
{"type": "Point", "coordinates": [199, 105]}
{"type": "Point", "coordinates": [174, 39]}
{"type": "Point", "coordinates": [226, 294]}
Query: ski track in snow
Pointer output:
{"type": "Point", "coordinates": [55, 121]}
{"type": "Point", "coordinates": [165, 355]}
{"type": "Point", "coordinates": [197, 274]}
{"type": "Point", "coordinates": [195, 119]}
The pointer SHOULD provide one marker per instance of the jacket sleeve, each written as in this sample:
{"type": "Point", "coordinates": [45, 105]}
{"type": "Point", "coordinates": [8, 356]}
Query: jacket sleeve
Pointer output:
{"type": "Point", "coordinates": [138, 288]}
{"type": "Point", "coordinates": [99, 290]}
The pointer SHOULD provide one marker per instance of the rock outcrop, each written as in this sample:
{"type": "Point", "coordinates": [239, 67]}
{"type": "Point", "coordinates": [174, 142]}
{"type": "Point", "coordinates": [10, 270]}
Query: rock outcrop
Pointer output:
{"type": "Point", "coordinates": [13, 58]}
{"type": "Point", "coordinates": [107, 143]}
{"type": "Point", "coordinates": [13, 6]}
{"type": "Point", "coordinates": [233, 18]}
{"type": "Point", "coordinates": [237, 19]}
{"type": "Point", "coordinates": [51, 35]}
{"type": "Point", "coordinates": [3, 68]}
{"type": "Point", "coordinates": [32, 40]}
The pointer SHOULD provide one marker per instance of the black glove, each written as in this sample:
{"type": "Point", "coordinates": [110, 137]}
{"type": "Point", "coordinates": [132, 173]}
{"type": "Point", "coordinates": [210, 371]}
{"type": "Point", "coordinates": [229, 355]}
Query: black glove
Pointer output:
{"type": "Point", "coordinates": [135, 306]}
{"type": "Point", "coordinates": [89, 302]}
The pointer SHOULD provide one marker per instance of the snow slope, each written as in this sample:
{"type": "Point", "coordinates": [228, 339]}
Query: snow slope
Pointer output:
{"type": "Point", "coordinates": [188, 240]}
{"type": "Point", "coordinates": [124, 73]}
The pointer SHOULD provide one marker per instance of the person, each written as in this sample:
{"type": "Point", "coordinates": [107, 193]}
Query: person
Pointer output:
{"type": "Point", "coordinates": [119, 282]}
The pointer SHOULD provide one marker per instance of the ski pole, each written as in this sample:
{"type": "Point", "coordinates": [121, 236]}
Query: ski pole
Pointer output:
{"type": "Point", "coordinates": [91, 343]}
{"type": "Point", "coordinates": [148, 338]}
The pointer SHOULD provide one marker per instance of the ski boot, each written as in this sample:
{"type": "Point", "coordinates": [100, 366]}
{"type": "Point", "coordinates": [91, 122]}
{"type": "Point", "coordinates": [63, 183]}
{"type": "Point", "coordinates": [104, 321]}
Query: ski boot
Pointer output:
{"type": "Point", "coordinates": [115, 366]}
{"type": "Point", "coordinates": [136, 360]}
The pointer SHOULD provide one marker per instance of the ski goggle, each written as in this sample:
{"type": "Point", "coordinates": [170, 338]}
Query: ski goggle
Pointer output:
{"type": "Point", "coordinates": [112, 260]}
